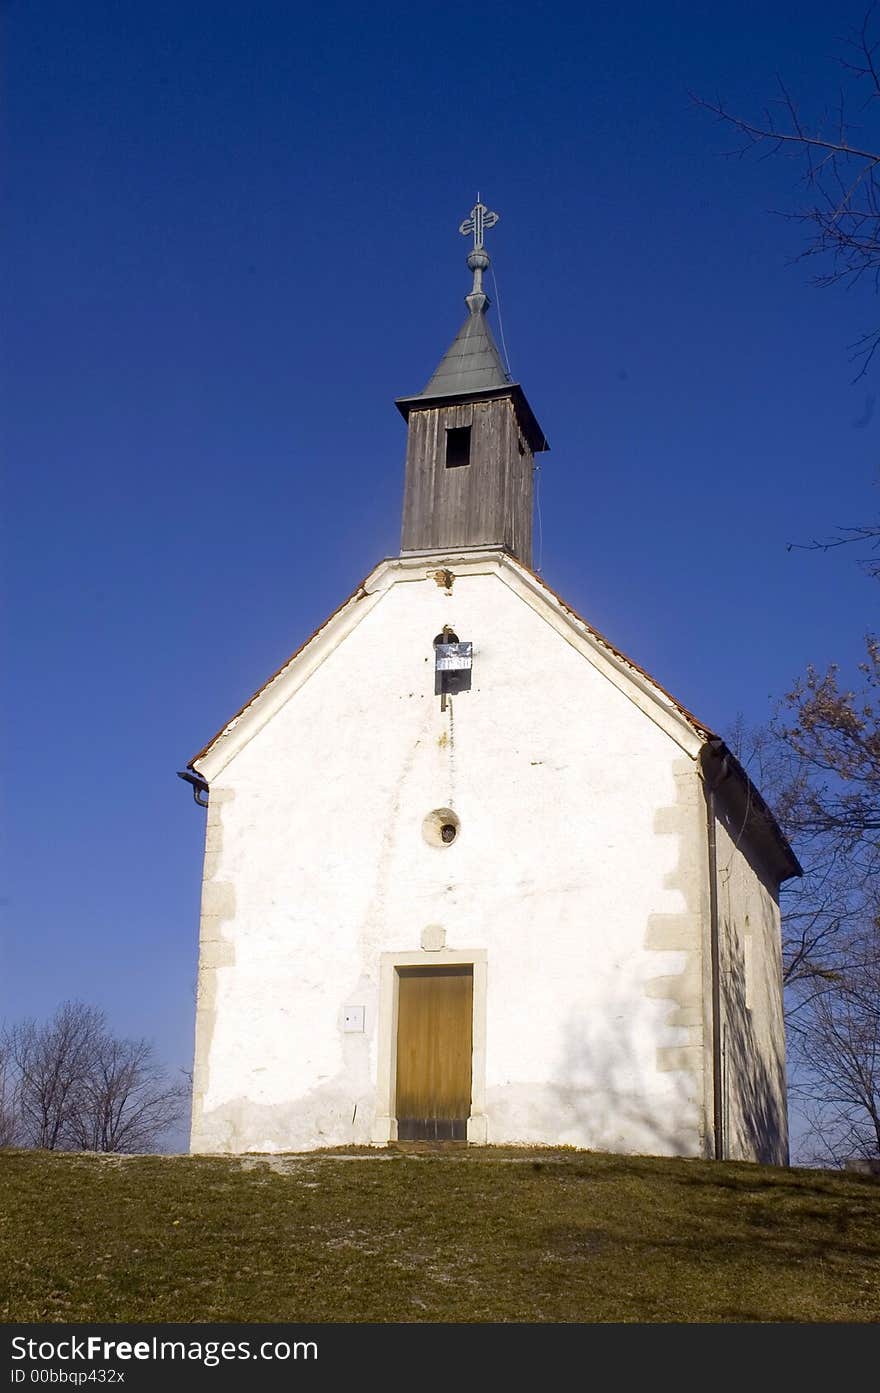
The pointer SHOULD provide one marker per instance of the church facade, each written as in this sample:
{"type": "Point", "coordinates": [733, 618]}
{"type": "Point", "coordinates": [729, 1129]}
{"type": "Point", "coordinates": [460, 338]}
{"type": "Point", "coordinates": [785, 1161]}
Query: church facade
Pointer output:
{"type": "Point", "coordinates": [470, 873]}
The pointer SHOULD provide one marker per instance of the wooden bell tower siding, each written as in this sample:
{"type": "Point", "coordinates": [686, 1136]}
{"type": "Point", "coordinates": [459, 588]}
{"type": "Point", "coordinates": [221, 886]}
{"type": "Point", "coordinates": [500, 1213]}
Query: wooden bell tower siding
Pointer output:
{"type": "Point", "coordinates": [486, 502]}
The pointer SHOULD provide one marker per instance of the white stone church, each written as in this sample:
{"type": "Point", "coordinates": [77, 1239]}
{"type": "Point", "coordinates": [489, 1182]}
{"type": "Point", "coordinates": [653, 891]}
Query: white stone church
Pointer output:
{"type": "Point", "coordinates": [470, 873]}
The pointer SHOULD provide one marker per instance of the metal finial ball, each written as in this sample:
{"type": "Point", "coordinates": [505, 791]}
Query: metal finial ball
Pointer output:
{"type": "Point", "coordinates": [478, 259]}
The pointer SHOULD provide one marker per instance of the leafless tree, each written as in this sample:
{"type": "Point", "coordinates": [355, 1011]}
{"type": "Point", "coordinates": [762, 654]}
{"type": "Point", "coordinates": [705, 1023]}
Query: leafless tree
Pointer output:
{"type": "Point", "coordinates": [7, 1113]}
{"type": "Point", "coordinates": [836, 735]}
{"type": "Point", "coordinates": [126, 1101]}
{"type": "Point", "coordinates": [819, 764]}
{"type": "Point", "coordinates": [819, 761]}
{"type": "Point", "coordinates": [820, 909]}
{"type": "Point", "coordinates": [50, 1063]}
{"type": "Point", "coordinates": [74, 1086]}
{"type": "Point", "coordinates": [838, 1049]}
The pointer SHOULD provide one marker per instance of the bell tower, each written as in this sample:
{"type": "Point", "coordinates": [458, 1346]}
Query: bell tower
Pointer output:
{"type": "Point", "coordinates": [471, 438]}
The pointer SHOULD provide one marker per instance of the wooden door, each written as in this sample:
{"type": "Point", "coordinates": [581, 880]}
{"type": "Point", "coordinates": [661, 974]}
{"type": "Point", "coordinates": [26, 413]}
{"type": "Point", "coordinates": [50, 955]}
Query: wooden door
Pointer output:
{"type": "Point", "coordinates": [434, 1049]}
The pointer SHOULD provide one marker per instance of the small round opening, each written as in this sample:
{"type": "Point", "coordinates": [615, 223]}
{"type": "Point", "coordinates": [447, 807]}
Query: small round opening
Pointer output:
{"type": "Point", "coordinates": [441, 827]}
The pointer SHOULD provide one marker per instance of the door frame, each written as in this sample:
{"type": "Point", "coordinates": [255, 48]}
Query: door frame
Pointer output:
{"type": "Point", "coordinates": [385, 1125]}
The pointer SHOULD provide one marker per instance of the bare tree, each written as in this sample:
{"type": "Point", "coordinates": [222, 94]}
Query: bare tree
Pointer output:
{"type": "Point", "coordinates": [126, 1102]}
{"type": "Point", "coordinates": [74, 1086]}
{"type": "Point", "coordinates": [821, 908]}
{"type": "Point", "coordinates": [838, 1047]}
{"type": "Point", "coordinates": [820, 763]}
{"type": "Point", "coordinates": [50, 1064]}
{"type": "Point", "coordinates": [820, 759]}
{"type": "Point", "coordinates": [836, 736]}
{"type": "Point", "coordinates": [7, 1113]}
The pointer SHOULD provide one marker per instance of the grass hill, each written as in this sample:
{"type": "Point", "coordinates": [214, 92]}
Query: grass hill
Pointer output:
{"type": "Point", "coordinates": [483, 1234]}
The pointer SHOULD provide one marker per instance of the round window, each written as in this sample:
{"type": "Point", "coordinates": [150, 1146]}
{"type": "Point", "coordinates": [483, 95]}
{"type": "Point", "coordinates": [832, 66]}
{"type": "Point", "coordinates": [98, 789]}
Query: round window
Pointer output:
{"type": "Point", "coordinates": [441, 827]}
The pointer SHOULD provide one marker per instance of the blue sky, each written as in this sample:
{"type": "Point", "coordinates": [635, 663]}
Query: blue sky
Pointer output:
{"type": "Point", "coordinates": [231, 240]}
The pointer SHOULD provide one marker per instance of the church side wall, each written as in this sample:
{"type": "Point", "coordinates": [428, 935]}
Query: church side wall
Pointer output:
{"type": "Point", "coordinates": [576, 884]}
{"type": "Point", "coordinates": [754, 1097]}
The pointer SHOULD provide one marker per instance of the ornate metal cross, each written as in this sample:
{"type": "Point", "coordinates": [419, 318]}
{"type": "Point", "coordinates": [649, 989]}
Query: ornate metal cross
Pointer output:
{"type": "Point", "coordinates": [480, 218]}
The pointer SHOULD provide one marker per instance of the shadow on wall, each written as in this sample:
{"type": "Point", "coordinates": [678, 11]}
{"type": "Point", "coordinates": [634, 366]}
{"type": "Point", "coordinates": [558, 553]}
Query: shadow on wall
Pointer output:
{"type": "Point", "coordinates": [753, 1087]}
{"type": "Point", "coordinates": [615, 1100]}
{"type": "Point", "coordinates": [612, 1094]}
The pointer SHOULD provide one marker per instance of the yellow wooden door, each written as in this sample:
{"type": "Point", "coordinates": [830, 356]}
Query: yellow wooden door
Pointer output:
{"type": "Point", "coordinates": [434, 1049]}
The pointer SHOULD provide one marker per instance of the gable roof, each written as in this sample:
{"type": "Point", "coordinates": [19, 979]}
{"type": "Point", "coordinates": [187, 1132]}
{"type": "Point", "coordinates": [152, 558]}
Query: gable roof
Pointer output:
{"type": "Point", "coordinates": [694, 735]}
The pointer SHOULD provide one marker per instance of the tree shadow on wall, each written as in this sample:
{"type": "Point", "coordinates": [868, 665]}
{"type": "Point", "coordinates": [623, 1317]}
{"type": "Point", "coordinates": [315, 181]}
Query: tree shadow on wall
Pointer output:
{"type": "Point", "coordinates": [608, 1088]}
{"type": "Point", "coordinates": [753, 1088]}
{"type": "Point", "coordinates": [604, 1085]}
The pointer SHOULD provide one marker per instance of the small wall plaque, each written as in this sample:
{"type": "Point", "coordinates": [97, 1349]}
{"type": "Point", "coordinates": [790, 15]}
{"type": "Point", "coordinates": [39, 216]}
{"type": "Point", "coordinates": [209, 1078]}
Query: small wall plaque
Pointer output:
{"type": "Point", "coordinates": [433, 938]}
{"type": "Point", "coordinates": [454, 657]}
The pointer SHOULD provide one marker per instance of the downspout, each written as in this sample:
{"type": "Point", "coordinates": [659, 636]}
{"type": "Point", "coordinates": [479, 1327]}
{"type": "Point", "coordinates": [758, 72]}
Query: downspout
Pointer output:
{"type": "Point", "coordinates": [199, 785]}
{"type": "Point", "coordinates": [718, 747]}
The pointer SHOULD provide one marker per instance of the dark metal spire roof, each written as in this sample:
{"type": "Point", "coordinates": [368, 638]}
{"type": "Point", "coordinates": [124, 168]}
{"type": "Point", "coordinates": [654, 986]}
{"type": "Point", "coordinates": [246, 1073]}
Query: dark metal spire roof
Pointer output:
{"type": "Point", "coordinates": [472, 362]}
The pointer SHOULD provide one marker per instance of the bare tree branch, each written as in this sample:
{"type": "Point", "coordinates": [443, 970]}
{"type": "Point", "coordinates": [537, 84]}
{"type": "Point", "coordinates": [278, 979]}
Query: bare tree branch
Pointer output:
{"type": "Point", "coordinates": [847, 536]}
{"type": "Point", "coordinates": [840, 174]}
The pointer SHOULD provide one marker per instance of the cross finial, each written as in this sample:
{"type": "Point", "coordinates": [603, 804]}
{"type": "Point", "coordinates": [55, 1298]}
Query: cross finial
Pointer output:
{"type": "Point", "coordinates": [477, 222]}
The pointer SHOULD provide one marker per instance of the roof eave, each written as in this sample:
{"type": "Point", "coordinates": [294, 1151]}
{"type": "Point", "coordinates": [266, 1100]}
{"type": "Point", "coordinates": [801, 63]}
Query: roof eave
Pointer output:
{"type": "Point", "coordinates": [526, 416]}
{"type": "Point", "coordinates": [755, 813]}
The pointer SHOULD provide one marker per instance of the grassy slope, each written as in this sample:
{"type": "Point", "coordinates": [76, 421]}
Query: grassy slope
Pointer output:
{"type": "Point", "coordinates": [482, 1235]}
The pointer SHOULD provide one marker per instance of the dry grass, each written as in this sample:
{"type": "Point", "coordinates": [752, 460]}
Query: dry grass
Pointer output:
{"type": "Point", "coordinates": [476, 1235]}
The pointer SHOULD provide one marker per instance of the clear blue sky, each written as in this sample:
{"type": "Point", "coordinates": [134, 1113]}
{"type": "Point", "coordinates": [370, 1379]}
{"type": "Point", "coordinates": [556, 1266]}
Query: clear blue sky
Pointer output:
{"type": "Point", "coordinates": [231, 240]}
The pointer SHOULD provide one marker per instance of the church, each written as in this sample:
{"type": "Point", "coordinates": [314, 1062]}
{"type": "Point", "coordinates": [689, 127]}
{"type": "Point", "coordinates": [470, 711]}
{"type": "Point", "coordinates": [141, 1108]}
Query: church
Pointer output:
{"type": "Point", "coordinates": [470, 873]}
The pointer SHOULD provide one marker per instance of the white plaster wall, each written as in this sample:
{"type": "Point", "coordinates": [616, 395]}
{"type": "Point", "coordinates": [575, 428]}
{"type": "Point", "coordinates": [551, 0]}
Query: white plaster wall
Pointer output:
{"type": "Point", "coordinates": [752, 1021]}
{"type": "Point", "coordinates": [578, 869]}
